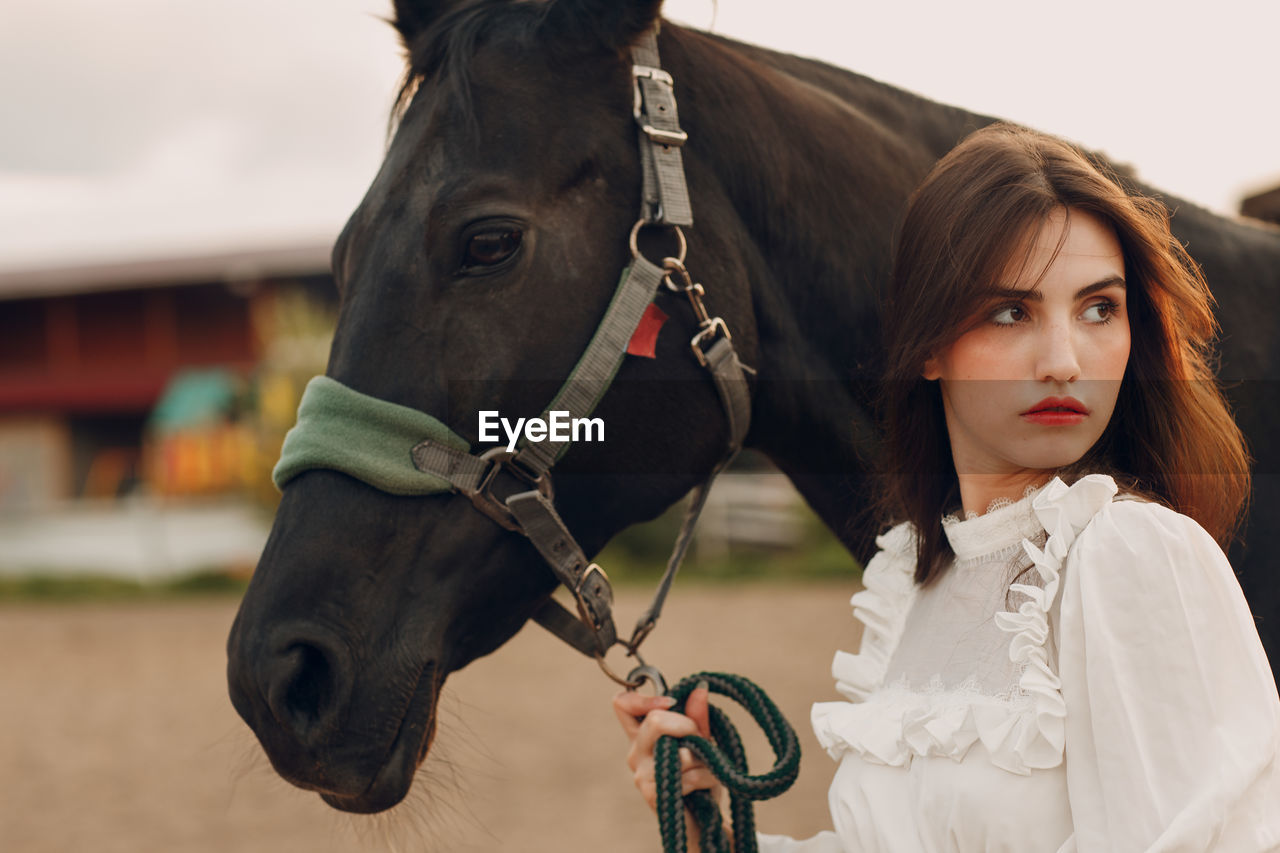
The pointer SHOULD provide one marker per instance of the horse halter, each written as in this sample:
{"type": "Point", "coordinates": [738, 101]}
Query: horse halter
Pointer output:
{"type": "Point", "coordinates": [441, 460]}
{"type": "Point", "coordinates": [664, 202]}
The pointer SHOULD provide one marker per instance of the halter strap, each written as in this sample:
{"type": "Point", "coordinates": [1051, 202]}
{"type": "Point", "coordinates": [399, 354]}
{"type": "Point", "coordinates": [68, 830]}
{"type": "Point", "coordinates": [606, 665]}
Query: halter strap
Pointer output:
{"type": "Point", "coordinates": [594, 372]}
{"type": "Point", "coordinates": [664, 197]}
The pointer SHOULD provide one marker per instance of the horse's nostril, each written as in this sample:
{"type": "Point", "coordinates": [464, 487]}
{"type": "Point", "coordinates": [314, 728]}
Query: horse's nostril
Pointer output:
{"type": "Point", "coordinates": [306, 682]}
{"type": "Point", "coordinates": [310, 687]}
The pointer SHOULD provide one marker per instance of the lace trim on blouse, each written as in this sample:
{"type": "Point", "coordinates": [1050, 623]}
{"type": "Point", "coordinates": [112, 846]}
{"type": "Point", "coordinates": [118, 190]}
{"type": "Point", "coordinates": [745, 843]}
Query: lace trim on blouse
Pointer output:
{"type": "Point", "coordinates": [1004, 521]}
{"type": "Point", "coordinates": [1023, 730]}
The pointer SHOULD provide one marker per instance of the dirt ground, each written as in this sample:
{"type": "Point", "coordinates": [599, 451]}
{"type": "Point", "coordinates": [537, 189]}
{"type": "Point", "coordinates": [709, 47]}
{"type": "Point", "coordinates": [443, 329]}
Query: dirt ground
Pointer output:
{"type": "Point", "coordinates": [116, 733]}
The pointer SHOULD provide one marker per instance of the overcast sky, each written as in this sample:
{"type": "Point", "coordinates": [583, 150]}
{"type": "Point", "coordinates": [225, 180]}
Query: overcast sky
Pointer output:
{"type": "Point", "coordinates": [136, 128]}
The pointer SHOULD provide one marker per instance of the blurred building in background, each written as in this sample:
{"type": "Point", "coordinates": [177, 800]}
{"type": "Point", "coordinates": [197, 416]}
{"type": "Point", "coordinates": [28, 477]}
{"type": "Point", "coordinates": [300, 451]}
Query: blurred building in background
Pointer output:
{"type": "Point", "coordinates": [153, 381]}
{"type": "Point", "coordinates": [142, 406]}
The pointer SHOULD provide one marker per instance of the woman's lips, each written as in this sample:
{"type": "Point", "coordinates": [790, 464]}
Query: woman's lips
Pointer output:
{"type": "Point", "coordinates": [1057, 411]}
{"type": "Point", "coordinates": [1050, 417]}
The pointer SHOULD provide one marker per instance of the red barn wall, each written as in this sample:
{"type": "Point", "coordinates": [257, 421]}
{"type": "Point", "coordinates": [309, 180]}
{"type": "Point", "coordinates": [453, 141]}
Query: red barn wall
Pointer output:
{"type": "Point", "coordinates": [113, 352]}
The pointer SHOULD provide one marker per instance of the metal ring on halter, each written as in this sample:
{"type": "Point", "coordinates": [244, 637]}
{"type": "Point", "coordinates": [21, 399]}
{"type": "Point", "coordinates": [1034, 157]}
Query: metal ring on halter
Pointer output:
{"type": "Point", "coordinates": [637, 676]}
{"type": "Point", "coordinates": [635, 235]}
{"type": "Point", "coordinates": [644, 673]}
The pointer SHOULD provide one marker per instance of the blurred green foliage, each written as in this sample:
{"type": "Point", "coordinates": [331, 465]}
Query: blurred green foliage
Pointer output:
{"type": "Point", "coordinates": [639, 555]}
{"type": "Point", "coordinates": [38, 588]}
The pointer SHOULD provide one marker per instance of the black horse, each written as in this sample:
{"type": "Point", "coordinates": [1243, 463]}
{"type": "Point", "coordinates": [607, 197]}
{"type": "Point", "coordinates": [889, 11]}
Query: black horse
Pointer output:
{"type": "Point", "coordinates": [486, 251]}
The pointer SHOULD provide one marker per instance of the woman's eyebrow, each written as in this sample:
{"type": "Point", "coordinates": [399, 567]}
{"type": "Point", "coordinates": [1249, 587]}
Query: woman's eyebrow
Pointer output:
{"type": "Point", "coordinates": [1035, 295]}
{"type": "Point", "coordinates": [1109, 281]}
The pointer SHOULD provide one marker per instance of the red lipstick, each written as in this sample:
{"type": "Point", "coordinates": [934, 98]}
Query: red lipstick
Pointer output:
{"type": "Point", "coordinates": [1057, 411]}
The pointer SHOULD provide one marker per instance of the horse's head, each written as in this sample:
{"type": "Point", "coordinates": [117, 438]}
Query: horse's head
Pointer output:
{"type": "Point", "coordinates": [472, 277]}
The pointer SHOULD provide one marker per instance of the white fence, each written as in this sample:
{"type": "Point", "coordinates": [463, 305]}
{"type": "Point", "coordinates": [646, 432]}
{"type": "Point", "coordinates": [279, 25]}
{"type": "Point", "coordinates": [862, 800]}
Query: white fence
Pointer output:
{"type": "Point", "coordinates": [754, 509]}
{"type": "Point", "coordinates": [138, 538]}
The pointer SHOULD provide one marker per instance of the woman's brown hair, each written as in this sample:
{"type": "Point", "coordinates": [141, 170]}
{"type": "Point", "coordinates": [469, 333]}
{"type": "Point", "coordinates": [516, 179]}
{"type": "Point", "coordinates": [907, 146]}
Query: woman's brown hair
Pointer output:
{"type": "Point", "coordinates": [1171, 437]}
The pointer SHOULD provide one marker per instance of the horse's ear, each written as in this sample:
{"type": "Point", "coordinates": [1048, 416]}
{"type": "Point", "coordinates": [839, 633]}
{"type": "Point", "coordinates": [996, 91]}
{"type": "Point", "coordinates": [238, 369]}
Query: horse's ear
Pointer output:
{"type": "Point", "coordinates": [614, 23]}
{"type": "Point", "coordinates": [413, 17]}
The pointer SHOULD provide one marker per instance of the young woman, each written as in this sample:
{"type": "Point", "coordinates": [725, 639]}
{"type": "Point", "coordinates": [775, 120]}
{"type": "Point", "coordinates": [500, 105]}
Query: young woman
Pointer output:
{"type": "Point", "coordinates": [1056, 653]}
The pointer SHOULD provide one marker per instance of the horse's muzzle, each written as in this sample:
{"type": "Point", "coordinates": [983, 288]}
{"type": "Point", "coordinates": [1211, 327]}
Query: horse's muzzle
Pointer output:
{"type": "Point", "coordinates": [294, 690]}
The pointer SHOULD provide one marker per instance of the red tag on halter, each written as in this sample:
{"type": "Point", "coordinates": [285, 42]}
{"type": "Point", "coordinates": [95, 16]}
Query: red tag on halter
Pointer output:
{"type": "Point", "coordinates": [645, 337]}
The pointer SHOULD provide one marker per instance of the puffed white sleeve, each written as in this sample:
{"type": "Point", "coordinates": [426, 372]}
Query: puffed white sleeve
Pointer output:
{"type": "Point", "coordinates": [1172, 717]}
{"type": "Point", "coordinates": [823, 842]}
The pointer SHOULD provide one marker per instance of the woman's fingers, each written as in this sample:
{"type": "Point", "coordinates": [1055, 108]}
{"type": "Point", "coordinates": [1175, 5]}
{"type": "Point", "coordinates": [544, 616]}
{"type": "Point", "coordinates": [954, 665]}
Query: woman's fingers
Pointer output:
{"type": "Point", "coordinates": [631, 707]}
{"type": "Point", "coordinates": [697, 779]}
{"type": "Point", "coordinates": [697, 707]}
{"type": "Point", "coordinates": [694, 776]}
{"type": "Point", "coordinates": [657, 724]}
{"type": "Point", "coordinates": [647, 718]}
{"type": "Point", "coordinates": [643, 777]}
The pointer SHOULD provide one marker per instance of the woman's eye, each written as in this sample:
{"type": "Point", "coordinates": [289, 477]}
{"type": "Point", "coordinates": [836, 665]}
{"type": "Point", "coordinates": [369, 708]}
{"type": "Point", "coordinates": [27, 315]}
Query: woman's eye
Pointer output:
{"type": "Point", "coordinates": [1100, 312]}
{"type": "Point", "coordinates": [490, 248]}
{"type": "Point", "coordinates": [1008, 315]}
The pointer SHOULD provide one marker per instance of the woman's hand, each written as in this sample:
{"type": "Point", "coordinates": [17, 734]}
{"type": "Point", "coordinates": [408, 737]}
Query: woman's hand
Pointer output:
{"type": "Point", "coordinates": [645, 719]}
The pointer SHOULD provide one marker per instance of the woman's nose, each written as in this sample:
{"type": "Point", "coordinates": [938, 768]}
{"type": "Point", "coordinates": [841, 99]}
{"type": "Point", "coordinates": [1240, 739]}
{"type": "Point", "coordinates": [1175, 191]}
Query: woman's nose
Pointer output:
{"type": "Point", "coordinates": [1057, 359]}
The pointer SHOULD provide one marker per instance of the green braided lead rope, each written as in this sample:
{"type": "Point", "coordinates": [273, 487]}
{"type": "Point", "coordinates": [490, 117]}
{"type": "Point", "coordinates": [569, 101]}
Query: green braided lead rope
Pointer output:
{"type": "Point", "coordinates": [727, 760]}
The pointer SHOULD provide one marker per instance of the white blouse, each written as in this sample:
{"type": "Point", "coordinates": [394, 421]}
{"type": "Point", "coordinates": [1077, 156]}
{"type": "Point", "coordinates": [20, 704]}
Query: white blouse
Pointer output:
{"type": "Point", "coordinates": [1114, 698]}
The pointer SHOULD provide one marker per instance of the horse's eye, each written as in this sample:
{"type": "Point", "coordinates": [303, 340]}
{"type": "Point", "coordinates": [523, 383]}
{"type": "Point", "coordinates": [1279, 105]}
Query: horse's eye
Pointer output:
{"type": "Point", "coordinates": [490, 248]}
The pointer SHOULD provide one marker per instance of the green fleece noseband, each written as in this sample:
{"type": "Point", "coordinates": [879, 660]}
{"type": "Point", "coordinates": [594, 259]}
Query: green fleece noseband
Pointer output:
{"type": "Point", "coordinates": [367, 438]}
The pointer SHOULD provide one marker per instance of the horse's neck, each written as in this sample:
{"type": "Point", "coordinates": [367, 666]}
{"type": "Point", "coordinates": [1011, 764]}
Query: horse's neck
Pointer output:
{"type": "Point", "coordinates": [817, 164]}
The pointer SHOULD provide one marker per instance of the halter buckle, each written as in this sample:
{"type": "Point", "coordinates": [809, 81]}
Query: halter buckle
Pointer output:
{"type": "Point", "coordinates": [586, 612]}
{"type": "Point", "coordinates": [708, 332]}
{"type": "Point", "coordinates": [499, 458]}
{"type": "Point", "coordinates": [650, 72]}
{"type": "Point", "coordinates": [674, 138]}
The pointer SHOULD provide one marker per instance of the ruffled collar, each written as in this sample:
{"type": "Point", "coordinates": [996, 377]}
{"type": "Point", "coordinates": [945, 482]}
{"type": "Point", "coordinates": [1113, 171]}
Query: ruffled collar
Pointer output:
{"type": "Point", "coordinates": [1027, 731]}
{"type": "Point", "coordinates": [1004, 525]}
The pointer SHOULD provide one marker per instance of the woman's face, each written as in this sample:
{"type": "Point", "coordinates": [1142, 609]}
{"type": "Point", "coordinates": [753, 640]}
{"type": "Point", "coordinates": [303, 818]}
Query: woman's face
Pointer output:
{"type": "Point", "coordinates": [1033, 384]}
